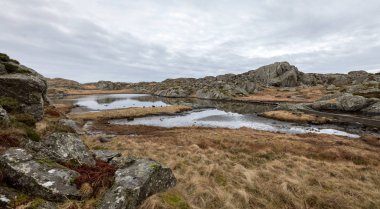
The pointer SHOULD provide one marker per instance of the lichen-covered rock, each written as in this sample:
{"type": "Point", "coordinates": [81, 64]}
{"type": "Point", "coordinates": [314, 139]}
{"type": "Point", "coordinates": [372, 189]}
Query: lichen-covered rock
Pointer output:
{"type": "Point", "coordinates": [137, 182]}
{"type": "Point", "coordinates": [37, 177]}
{"type": "Point", "coordinates": [105, 155]}
{"type": "Point", "coordinates": [4, 118]}
{"type": "Point", "coordinates": [71, 125]}
{"type": "Point", "coordinates": [65, 147]}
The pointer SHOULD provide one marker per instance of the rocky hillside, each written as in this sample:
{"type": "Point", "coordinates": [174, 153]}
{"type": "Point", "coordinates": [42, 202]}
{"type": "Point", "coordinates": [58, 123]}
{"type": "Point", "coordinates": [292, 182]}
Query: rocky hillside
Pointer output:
{"type": "Point", "coordinates": [228, 86]}
{"type": "Point", "coordinates": [280, 74]}
{"type": "Point", "coordinates": [45, 164]}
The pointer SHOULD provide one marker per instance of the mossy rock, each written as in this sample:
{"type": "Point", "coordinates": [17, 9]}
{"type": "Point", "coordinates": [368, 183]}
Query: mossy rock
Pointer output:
{"type": "Point", "coordinates": [9, 104]}
{"type": "Point", "coordinates": [11, 67]}
{"type": "Point", "coordinates": [4, 57]}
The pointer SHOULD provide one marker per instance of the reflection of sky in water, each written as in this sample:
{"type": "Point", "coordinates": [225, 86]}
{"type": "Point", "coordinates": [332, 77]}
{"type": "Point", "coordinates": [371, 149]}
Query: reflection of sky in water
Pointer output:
{"type": "Point", "coordinates": [217, 118]}
{"type": "Point", "coordinates": [114, 101]}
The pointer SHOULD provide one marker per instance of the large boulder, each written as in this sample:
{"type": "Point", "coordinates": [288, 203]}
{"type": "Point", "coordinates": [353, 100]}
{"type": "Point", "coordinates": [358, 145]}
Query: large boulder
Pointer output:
{"type": "Point", "coordinates": [280, 74]}
{"type": "Point", "coordinates": [372, 109]}
{"type": "Point", "coordinates": [4, 118]}
{"type": "Point", "coordinates": [135, 183]}
{"type": "Point", "coordinates": [25, 85]}
{"type": "Point", "coordinates": [67, 147]}
{"type": "Point", "coordinates": [342, 102]}
{"type": "Point", "coordinates": [44, 179]}
{"type": "Point", "coordinates": [349, 102]}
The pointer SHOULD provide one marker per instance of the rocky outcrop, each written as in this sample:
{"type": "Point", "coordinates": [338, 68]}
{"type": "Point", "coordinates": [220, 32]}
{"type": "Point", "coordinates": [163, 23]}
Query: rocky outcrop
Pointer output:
{"type": "Point", "coordinates": [23, 84]}
{"type": "Point", "coordinates": [280, 74]}
{"type": "Point", "coordinates": [341, 102]}
{"type": "Point", "coordinates": [136, 182]}
{"type": "Point", "coordinates": [37, 177]}
{"type": "Point", "coordinates": [4, 118]}
{"type": "Point", "coordinates": [372, 109]}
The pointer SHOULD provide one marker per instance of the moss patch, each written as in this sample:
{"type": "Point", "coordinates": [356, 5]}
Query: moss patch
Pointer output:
{"type": "Point", "coordinates": [9, 104]}
{"type": "Point", "coordinates": [174, 200]}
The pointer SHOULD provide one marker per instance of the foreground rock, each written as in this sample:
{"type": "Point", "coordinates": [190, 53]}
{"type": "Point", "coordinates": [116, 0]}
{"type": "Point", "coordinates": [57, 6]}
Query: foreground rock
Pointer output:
{"type": "Point", "coordinates": [38, 178]}
{"type": "Point", "coordinates": [135, 183]}
{"type": "Point", "coordinates": [67, 147]}
{"type": "Point", "coordinates": [24, 85]}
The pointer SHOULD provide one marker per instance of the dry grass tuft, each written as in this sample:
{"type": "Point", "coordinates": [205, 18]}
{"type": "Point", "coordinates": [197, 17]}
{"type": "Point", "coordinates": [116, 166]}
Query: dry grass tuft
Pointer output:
{"type": "Point", "coordinates": [297, 117]}
{"type": "Point", "coordinates": [129, 112]}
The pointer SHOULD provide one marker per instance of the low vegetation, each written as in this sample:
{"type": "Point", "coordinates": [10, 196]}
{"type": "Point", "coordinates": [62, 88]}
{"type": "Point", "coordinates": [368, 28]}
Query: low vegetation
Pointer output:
{"type": "Point", "coordinates": [245, 168]}
{"type": "Point", "coordinates": [296, 117]}
{"type": "Point", "coordinates": [129, 113]}
{"type": "Point", "coordinates": [293, 95]}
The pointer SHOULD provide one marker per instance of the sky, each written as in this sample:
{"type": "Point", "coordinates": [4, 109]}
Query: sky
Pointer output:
{"type": "Point", "coordinates": [142, 40]}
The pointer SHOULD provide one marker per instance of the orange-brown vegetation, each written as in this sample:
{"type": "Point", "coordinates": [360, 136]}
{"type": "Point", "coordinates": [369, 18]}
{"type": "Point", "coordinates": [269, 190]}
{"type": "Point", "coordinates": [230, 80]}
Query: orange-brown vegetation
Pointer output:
{"type": "Point", "coordinates": [129, 112]}
{"type": "Point", "coordinates": [297, 117]}
{"type": "Point", "coordinates": [295, 95]}
{"type": "Point", "coordinates": [245, 168]}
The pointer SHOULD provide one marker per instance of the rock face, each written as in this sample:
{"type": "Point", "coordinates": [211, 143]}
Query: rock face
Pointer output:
{"type": "Point", "coordinates": [342, 102]}
{"type": "Point", "coordinates": [137, 182]}
{"type": "Point", "coordinates": [65, 147]}
{"type": "Point", "coordinates": [37, 178]}
{"type": "Point", "coordinates": [4, 119]}
{"type": "Point", "coordinates": [280, 74]}
{"type": "Point", "coordinates": [372, 109]}
{"type": "Point", "coordinates": [23, 84]}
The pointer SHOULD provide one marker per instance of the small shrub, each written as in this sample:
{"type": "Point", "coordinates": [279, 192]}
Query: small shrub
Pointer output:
{"type": "Point", "coordinates": [97, 177]}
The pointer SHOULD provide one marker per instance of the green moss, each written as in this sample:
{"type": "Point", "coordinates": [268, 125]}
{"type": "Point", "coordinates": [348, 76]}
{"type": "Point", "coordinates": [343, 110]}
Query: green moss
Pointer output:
{"type": "Point", "coordinates": [50, 163]}
{"type": "Point", "coordinates": [25, 119]}
{"type": "Point", "coordinates": [36, 203]}
{"type": "Point", "coordinates": [175, 200]}
{"type": "Point", "coordinates": [155, 166]}
{"type": "Point", "coordinates": [33, 135]}
{"type": "Point", "coordinates": [9, 104]}
{"type": "Point", "coordinates": [20, 200]}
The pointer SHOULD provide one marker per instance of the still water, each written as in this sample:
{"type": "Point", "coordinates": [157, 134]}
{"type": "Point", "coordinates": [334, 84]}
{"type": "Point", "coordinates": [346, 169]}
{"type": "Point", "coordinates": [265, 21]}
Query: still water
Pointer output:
{"type": "Point", "coordinates": [206, 113]}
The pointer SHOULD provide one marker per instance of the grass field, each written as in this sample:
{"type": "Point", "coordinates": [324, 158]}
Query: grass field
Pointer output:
{"type": "Point", "coordinates": [245, 168]}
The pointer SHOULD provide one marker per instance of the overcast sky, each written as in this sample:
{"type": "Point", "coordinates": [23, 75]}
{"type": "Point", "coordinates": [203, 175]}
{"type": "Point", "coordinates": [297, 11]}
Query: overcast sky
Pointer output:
{"type": "Point", "coordinates": [141, 40]}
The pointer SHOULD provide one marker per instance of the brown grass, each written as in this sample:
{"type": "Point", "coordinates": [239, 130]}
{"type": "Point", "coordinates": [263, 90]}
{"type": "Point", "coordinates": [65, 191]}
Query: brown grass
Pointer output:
{"type": "Point", "coordinates": [244, 168]}
{"type": "Point", "coordinates": [129, 112]}
{"type": "Point", "coordinates": [91, 91]}
{"type": "Point", "coordinates": [300, 95]}
{"type": "Point", "coordinates": [297, 117]}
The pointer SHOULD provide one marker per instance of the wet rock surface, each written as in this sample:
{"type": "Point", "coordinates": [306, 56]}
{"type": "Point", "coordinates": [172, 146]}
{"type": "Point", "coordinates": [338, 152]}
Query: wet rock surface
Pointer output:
{"type": "Point", "coordinates": [38, 177]}
{"type": "Point", "coordinates": [137, 182]}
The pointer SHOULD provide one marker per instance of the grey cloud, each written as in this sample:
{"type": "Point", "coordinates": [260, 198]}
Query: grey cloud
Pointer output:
{"type": "Point", "coordinates": [149, 40]}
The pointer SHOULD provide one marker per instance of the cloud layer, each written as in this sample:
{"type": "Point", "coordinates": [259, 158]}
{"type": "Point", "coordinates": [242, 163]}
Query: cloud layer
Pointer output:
{"type": "Point", "coordinates": [119, 40]}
